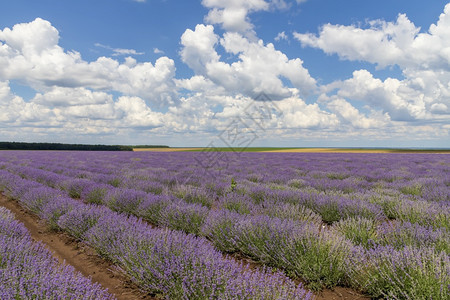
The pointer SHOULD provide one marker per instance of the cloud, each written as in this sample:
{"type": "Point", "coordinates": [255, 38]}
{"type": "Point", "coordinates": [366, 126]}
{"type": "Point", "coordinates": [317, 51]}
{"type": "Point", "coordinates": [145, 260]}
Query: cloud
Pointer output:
{"type": "Point", "coordinates": [29, 38]}
{"type": "Point", "coordinates": [298, 114]}
{"type": "Point", "coordinates": [348, 114]}
{"type": "Point", "coordinates": [387, 43]}
{"type": "Point", "coordinates": [413, 99]}
{"type": "Point", "coordinates": [281, 36]}
{"type": "Point", "coordinates": [14, 111]}
{"type": "Point", "coordinates": [157, 51]}
{"type": "Point", "coordinates": [198, 47]}
{"type": "Point", "coordinates": [136, 113]}
{"type": "Point", "coordinates": [63, 97]}
{"type": "Point", "coordinates": [71, 107]}
{"type": "Point", "coordinates": [119, 51]}
{"type": "Point", "coordinates": [232, 15]}
{"type": "Point", "coordinates": [392, 96]}
{"type": "Point", "coordinates": [259, 68]}
{"type": "Point", "coordinates": [424, 58]}
{"type": "Point", "coordinates": [10, 105]}
{"type": "Point", "coordinates": [30, 53]}
{"type": "Point", "coordinates": [280, 4]}
{"type": "Point", "coordinates": [440, 108]}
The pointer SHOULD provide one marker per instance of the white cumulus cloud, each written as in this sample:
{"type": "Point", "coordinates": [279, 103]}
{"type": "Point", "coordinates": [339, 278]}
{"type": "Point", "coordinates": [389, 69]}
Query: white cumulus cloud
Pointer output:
{"type": "Point", "coordinates": [259, 68]}
{"type": "Point", "coordinates": [424, 92]}
{"type": "Point", "coordinates": [387, 43]}
{"type": "Point", "coordinates": [233, 14]}
{"type": "Point", "coordinates": [281, 36]}
{"type": "Point", "coordinates": [119, 51]}
{"type": "Point", "coordinates": [30, 53]}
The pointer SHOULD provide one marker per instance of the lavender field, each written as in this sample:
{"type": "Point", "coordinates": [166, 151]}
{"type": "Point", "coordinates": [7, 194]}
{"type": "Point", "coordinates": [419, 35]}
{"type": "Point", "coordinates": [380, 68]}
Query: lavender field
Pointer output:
{"type": "Point", "coordinates": [181, 224]}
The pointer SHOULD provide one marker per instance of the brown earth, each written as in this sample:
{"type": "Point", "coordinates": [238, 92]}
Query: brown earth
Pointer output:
{"type": "Point", "coordinates": [330, 150]}
{"type": "Point", "coordinates": [349, 150]}
{"type": "Point", "coordinates": [81, 257]}
{"type": "Point", "coordinates": [165, 149]}
{"type": "Point", "coordinates": [86, 261]}
{"type": "Point", "coordinates": [306, 150]}
{"type": "Point", "coordinates": [340, 293]}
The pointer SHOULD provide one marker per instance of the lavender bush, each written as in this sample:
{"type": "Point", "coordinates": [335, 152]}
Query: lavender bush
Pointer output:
{"type": "Point", "coordinates": [77, 222]}
{"type": "Point", "coordinates": [360, 231]}
{"type": "Point", "coordinates": [298, 248]}
{"type": "Point", "coordinates": [152, 207]}
{"type": "Point", "coordinates": [29, 271]}
{"type": "Point", "coordinates": [399, 234]}
{"type": "Point", "coordinates": [408, 273]}
{"type": "Point", "coordinates": [124, 200]}
{"type": "Point", "coordinates": [95, 193]}
{"type": "Point", "coordinates": [36, 198]}
{"type": "Point", "coordinates": [53, 210]}
{"type": "Point", "coordinates": [9, 226]}
{"type": "Point", "coordinates": [184, 216]}
{"type": "Point", "coordinates": [194, 195]}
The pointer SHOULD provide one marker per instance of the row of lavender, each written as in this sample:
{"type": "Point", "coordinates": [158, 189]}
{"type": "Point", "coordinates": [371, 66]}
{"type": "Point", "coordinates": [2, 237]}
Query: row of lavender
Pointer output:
{"type": "Point", "coordinates": [28, 270]}
{"type": "Point", "coordinates": [240, 232]}
{"type": "Point", "coordinates": [161, 261]}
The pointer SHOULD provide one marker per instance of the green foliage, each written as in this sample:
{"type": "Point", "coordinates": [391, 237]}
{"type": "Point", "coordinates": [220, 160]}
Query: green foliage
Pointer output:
{"type": "Point", "coordinates": [415, 190]}
{"type": "Point", "coordinates": [409, 273]}
{"type": "Point", "coordinates": [115, 182]}
{"type": "Point", "coordinates": [319, 260]}
{"type": "Point", "coordinates": [233, 184]}
{"type": "Point", "coordinates": [191, 194]}
{"type": "Point", "coordinates": [359, 230]}
{"type": "Point", "coordinates": [339, 176]}
{"type": "Point", "coordinates": [96, 196]}
{"type": "Point", "coordinates": [151, 210]}
{"type": "Point", "coordinates": [188, 218]}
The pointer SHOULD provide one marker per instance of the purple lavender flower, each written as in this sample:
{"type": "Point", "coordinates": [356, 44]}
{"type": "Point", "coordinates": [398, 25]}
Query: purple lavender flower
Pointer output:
{"type": "Point", "coordinates": [124, 200]}
{"type": "Point", "coordinates": [29, 271]}
{"type": "Point", "coordinates": [78, 222]}
{"type": "Point", "coordinates": [408, 273]}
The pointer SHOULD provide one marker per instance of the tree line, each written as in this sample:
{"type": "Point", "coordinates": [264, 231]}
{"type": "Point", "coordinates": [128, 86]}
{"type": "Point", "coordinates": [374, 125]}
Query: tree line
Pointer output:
{"type": "Point", "coordinates": [61, 146]}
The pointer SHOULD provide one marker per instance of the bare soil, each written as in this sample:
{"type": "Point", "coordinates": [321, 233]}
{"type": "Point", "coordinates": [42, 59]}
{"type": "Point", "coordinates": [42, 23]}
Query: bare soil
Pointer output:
{"type": "Point", "coordinates": [305, 150]}
{"type": "Point", "coordinates": [347, 150]}
{"type": "Point", "coordinates": [165, 149]}
{"type": "Point", "coordinates": [340, 293]}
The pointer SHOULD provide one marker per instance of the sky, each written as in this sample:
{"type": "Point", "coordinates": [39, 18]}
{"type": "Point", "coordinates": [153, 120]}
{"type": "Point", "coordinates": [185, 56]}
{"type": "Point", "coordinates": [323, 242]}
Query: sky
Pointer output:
{"type": "Point", "coordinates": [275, 73]}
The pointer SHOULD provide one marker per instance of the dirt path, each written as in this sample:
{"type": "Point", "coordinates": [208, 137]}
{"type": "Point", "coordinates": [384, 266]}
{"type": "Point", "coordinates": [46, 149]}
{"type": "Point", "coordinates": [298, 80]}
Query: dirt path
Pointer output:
{"type": "Point", "coordinates": [81, 257]}
{"type": "Point", "coordinates": [340, 293]}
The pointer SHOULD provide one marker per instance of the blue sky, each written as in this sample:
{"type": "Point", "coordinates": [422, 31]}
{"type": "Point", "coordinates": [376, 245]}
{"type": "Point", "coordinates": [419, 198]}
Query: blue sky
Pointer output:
{"type": "Point", "coordinates": [184, 73]}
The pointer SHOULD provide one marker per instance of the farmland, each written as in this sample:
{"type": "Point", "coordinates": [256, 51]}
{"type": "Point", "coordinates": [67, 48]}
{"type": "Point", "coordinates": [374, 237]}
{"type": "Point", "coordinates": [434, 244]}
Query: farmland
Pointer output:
{"type": "Point", "coordinates": [226, 225]}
